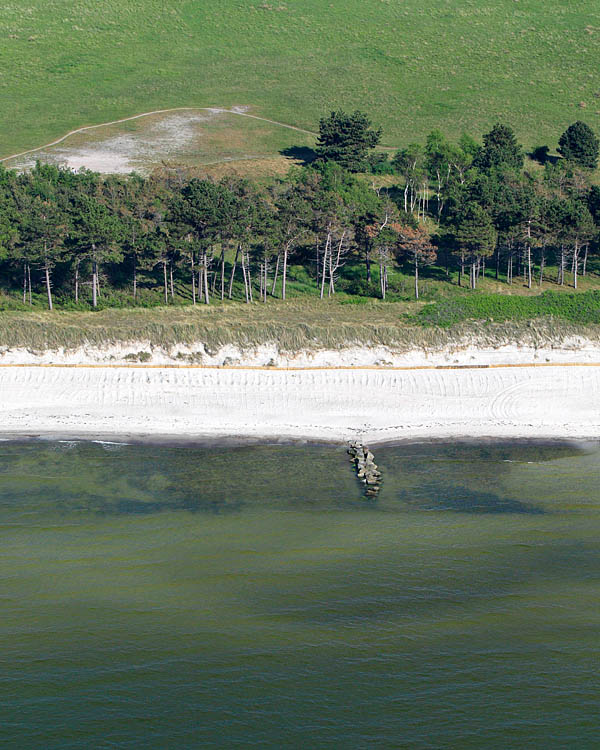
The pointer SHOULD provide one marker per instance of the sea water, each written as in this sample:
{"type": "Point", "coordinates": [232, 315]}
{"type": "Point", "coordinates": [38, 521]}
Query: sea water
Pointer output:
{"type": "Point", "coordinates": [185, 596]}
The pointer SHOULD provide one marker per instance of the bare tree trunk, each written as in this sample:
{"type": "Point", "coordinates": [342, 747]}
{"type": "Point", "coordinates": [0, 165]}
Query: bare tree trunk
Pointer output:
{"type": "Point", "coordinates": [562, 265]}
{"type": "Point", "coordinates": [94, 280]}
{"type": "Point", "coordinates": [528, 266]}
{"type": "Point", "coordinates": [585, 257]}
{"type": "Point", "coordinates": [222, 274]}
{"type": "Point", "coordinates": [193, 278]}
{"type": "Point", "coordinates": [205, 276]}
{"type": "Point", "coordinates": [416, 278]}
{"type": "Point", "coordinates": [266, 282]}
{"type": "Point", "coordinates": [245, 277]}
{"type": "Point", "coordinates": [24, 283]}
{"type": "Point", "coordinates": [318, 265]}
{"type": "Point", "coordinates": [277, 272]}
{"type": "Point", "coordinates": [134, 276]}
{"type": "Point", "coordinates": [213, 284]}
{"type": "Point", "coordinates": [284, 273]}
{"type": "Point", "coordinates": [542, 265]}
{"type": "Point", "coordinates": [237, 253]}
{"type": "Point", "coordinates": [330, 269]}
{"type": "Point", "coordinates": [249, 277]}
{"type": "Point", "coordinates": [165, 282]}
{"type": "Point", "coordinates": [171, 281]}
{"type": "Point", "coordinates": [575, 263]}
{"type": "Point", "coordinates": [48, 287]}
{"type": "Point", "coordinates": [326, 252]}
{"type": "Point", "coordinates": [333, 267]}
{"type": "Point", "coordinates": [77, 281]}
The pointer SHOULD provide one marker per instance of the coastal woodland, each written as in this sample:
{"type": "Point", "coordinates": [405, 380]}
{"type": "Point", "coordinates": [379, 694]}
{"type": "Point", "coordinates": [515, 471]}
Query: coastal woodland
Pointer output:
{"type": "Point", "coordinates": [352, 220]}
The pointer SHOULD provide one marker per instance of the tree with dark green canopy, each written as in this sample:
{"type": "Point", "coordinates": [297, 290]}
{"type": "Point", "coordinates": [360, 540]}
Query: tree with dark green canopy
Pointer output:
{"type": "Point", "coordinates": [346, 139]}
{"type": "Point", "coordinates": [293, 212]}
{"type": "Point", "coordinates": [476, 235]}
{"type": "Point", "coordinates": [500, 149]}
{"type": "Point", "coordinates": [579, 144]}
{"type": "Point", "coordinates": [9, 230]}
{"type": "Point", "coordinates": [593, 202]}
{"type": "Point", "coordinates": [44, 230]}
{"type": "Point", "coordinates": [198, 210]}
{"type": "Point", "coordinates": [579, 230]}
{"type": "Point", "coordinates": [97, 231]}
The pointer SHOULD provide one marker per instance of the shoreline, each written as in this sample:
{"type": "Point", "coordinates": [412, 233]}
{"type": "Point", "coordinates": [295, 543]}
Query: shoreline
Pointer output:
{"type": "Point", "coordinates": [377, 405]}
{"type": "Point", "coordinates": [232, 442]}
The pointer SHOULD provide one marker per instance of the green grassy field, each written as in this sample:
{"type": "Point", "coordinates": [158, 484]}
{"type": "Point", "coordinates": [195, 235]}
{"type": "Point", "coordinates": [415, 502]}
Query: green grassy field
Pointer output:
{"type": "Point", "coordinates": [456, 64]}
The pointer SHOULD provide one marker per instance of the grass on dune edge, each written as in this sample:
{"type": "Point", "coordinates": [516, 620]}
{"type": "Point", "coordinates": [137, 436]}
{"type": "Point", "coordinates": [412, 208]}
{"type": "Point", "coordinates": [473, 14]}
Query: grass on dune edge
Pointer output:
{"type": "Point", "coordinates": [306, 324]}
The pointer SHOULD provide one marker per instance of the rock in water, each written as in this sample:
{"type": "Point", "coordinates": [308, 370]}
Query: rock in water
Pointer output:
{"type": "Point", "coordinates": [366, 468]}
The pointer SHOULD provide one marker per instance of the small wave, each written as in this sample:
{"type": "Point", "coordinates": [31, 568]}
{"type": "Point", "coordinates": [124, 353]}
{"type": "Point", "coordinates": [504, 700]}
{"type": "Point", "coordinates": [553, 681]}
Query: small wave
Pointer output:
{"type": "Point", "coordinates": [110, 445]}
{"type": "Point", "coordinates": [105, 442]}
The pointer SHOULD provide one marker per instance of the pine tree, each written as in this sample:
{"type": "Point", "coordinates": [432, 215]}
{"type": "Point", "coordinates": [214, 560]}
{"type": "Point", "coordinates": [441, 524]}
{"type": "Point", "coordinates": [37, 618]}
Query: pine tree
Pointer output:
{"type": "Point", "coordinates": [500, 149]}
{"type": "Point", "coordinates": [579, 144]}
{"type": "Point", "coordinates": [346, 139]}
{"type": "Point", "coordinates": [475, 235]}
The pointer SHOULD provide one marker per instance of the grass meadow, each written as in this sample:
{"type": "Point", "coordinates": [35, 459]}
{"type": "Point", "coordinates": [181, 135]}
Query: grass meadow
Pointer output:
{"type": "Point", "coordinates": [458, 65]}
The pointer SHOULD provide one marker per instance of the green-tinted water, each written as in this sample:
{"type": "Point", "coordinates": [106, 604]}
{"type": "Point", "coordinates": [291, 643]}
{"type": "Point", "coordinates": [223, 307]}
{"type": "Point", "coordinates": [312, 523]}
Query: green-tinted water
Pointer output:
{"type": "Point", "coordinates": [180, 597]}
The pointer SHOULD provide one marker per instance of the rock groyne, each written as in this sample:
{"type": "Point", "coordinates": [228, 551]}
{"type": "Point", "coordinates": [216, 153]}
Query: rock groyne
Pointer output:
{"type": "Point", "coordinates": [366, 468]}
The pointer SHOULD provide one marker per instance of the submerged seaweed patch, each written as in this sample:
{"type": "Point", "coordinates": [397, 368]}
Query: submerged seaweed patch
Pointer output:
{"type": "Point", "coordinates": [434, 496]}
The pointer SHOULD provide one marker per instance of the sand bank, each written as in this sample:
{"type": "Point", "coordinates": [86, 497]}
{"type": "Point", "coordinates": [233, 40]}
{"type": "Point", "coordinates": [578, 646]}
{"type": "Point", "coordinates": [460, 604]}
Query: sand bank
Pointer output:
{"type": "Point", "coordinates": [551, 401]}
{"type": "Point", "coordinates": [571, 349]}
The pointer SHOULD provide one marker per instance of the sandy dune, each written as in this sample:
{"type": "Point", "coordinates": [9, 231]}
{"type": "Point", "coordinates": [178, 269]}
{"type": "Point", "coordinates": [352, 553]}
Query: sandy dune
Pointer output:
{"type": "Point", "coordinates": [376, 404]}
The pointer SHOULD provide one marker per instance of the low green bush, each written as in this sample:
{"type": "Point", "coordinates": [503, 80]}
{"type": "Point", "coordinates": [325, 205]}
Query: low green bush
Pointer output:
{"type": "Point", "coordinates": [583, 307]}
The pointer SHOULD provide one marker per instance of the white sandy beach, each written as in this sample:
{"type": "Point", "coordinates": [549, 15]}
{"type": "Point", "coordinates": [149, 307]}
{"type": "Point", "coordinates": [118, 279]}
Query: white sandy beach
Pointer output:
{"type": "Point", "coordinates": [375, 404]}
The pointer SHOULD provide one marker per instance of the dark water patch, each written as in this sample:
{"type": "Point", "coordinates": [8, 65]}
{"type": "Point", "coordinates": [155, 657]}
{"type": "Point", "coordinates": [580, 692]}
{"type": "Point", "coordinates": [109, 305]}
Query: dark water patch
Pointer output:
{"type": "Point", "coordinates": [432, 496]}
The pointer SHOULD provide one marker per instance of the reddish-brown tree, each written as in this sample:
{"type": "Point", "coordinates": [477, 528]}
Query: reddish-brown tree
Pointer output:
{"type": "Point", "coordinates": [415, 245]}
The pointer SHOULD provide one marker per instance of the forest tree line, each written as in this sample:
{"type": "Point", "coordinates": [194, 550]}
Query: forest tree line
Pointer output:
{"type": "Point", "coordinates": [459, 205]}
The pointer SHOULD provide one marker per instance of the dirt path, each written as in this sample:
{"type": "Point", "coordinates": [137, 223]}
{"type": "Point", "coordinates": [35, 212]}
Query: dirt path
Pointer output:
{"type": "Point", "coordinates": [219, 110]}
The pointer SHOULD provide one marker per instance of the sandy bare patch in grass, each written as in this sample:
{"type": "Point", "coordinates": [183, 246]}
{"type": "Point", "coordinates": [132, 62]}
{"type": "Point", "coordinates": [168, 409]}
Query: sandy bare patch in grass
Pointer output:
{"type": "Point", "coordinates": [189, 138]}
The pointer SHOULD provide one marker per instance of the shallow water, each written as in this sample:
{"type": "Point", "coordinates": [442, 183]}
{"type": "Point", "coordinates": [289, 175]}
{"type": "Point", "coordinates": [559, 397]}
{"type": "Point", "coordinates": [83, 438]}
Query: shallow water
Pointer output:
{"type": "Point", "coordinates": [186, 597]}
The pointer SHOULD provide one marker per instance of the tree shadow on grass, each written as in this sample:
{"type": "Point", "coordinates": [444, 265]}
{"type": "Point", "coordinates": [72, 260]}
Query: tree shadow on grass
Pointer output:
{"type": "Point", "coordinates": [542, 156]}
{"type": "Point", "coordinates": [303, 154]}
